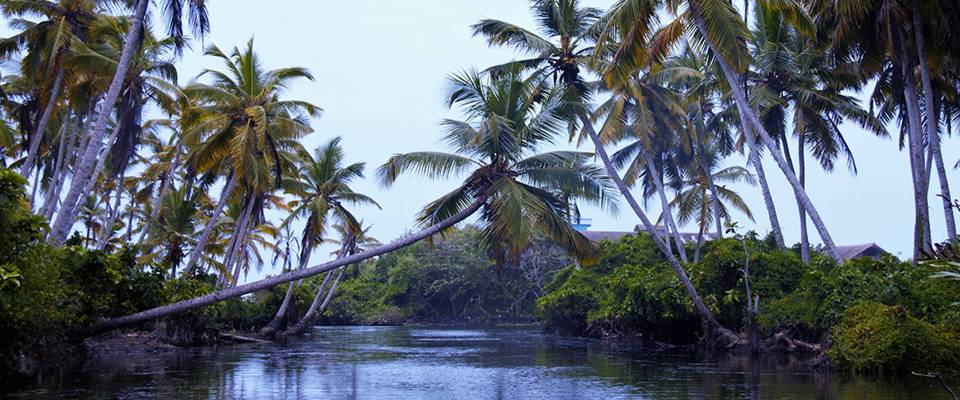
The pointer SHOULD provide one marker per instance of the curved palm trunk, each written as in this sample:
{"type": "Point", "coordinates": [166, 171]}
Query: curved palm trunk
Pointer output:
{"type": "Point", "coordinates": [665, 205]}
{"type": "Point", "coordinates": [67, 215]}
{"type": "Point", "coordinates": [274, 324]}
{"type": "Point", "coordinates": [754, 156]}
{"type": "Point", "coordinates": [241, 290]}
{"type": "Point", "coordinates": [714, 331]}
{"type": "Point", "coordinates": [933, 127]}
{"type": "Point", "coordinates": [202, 243]}
{"type": "Point", "coordinates": [42, 125]}
{"type": "Point", "coordinates": [749, 117]}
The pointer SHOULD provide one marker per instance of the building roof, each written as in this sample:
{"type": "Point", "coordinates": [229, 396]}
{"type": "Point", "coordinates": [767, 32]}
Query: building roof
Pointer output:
{"type": "Point", "coordinates": [860, 250]}
{"type": "Point", "coordinates": [598, 236]}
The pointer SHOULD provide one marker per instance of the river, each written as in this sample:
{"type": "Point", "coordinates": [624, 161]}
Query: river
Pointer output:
{"type": "Point", "coordinates": [454, 363]}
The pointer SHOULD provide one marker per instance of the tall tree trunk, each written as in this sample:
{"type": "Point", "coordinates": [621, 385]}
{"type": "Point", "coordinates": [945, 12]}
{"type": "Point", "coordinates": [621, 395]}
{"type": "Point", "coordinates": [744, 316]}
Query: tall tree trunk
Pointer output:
{"type": "Point", "coordinates": [241, 290]}
{"type": "Point", "coordinates": [157, 201]}
{"type": "Point", "coordinates": [42, 124]}
{"type": "Point", "coordinates": [202, 243]}
{"type": "Point", "coordinates": [802, 166]}
{"type": "Point", "coordinates": [933, 133]}
{"type": "Point", "coordinates": [749, 117]}
{"type": "Point", "coordinates": [915, 146]}
{"type": "Point", "coordinates": [101, 162]}
{"type": "Point", "coordinates": [715, 333]}
{"type": "Point", "coordinates": [665, 205]}
{"type": "Point", "coordinates": [241, 238]}
{"type": "Point", "coordinates": [271, 327]}
{"type": "Point", "coordinates": [715, 201]}
{"type": "Point", "coordinates": [238, 229]}
{"type": "Point", "coordinates": [67, 215]}
{"type": "Point", "coordinates": [56, 180]}
{"type": "Point", "coordinates": [754, 155]}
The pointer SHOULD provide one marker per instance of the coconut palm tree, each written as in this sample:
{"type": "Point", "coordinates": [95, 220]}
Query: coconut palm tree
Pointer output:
{"type": "Point", "coordinates": [507, 181]}
{"type": "Point", "coordinates": [245, 127]}
{"type": "Point", "coordinates": [799, 83]}
{"type": "Point", "coordinates": [131, 44]}
{"type": "Point", "coordinates": [716, 25]}
{"type": "Point", "coordinates": [572, 29]}
{"type": "Point", "coordinates": [48, 45]}
{"type": "Point", "coordinates": [323, 192]}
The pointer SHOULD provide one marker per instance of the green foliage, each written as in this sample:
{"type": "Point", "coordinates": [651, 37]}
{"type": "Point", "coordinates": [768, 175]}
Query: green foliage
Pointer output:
{"type": "Point", "coordinates": [875, 337]}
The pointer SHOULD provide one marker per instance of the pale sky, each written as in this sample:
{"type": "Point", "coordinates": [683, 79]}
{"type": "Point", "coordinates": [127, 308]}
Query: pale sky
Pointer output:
{"type": "Point", "coordinates": [380, 70]}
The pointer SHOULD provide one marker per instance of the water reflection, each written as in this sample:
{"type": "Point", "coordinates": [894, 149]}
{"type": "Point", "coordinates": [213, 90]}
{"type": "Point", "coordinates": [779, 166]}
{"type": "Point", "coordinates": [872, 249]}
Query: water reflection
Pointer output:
{"type": "Point", "coordinates": [495, 363]}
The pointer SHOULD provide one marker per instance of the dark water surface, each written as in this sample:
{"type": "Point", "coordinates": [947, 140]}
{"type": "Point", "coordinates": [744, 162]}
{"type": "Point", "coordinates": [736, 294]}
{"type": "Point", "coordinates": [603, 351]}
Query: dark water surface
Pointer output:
{"type": "Point", "coordinates": [449, 363]}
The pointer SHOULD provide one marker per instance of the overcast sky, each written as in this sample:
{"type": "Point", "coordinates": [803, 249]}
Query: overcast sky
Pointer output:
{"type": "Point", "coordinates": [380, 70]}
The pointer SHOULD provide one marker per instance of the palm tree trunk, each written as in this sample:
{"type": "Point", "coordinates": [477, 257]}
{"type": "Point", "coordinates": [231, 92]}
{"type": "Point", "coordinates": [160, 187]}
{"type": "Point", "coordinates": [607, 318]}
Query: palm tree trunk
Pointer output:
{"type": "Point", "coordinates": [114, 214]}
{"type": "Point", "coordinates": [754, 155]}
{"type": "Point", "coordinates": [241, 238]}
{"type": "Point", "coordinates": [304, 322]}
{"type": "Point", "coordinates": [241, 290]}
{"type": "Point", "coordinates": [101, 160]}
{"type": "Point", "coordinates": [749, 117]}
{"type": "Point", "coordinates": [67, 215]}
{"type": "Point", "coordinates": [714, 331]}
{"type": "Point", "coordinates": [239, 231]}
{"type": "Point", "coordinates": [665, 205]}
{"type": "Point", "coordinates": [715, 202]}
{"type": "Point", "coordinates": [933, 134]}
{"type": "Point", "coordinates": [305, 252]}
{"type": "Point", "coordinates": [696, 254]}
{"type": "Point", "coordinates": [202, 243]}
{"type": "Point", "coordinates": [53, 190]}
{"type": "Point", "coordinates": [802, 166]}
{"type": "Point", "coordinates": [42, 124]}
{"type": "Point", "coordinates": [922, 241]}
{"type": "Point", "coordinates": [155, 206]}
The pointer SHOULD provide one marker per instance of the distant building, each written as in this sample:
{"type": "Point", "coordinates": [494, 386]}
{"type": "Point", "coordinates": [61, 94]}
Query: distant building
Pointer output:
{"type": "Point", "coordinates": [871, 250]}
{"type": "Point", "coordinates": [583, 225]}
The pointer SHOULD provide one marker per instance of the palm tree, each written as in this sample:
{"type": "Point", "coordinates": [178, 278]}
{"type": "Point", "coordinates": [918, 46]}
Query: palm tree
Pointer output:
{"type": "Point", "coordinates": [173, 231]}
{"type": "Point", "coordinates": [323, 191]}
{"type": "Point", "coordinates": [695, 200]}
{"type": "Point", "coordinates": [131, 44]}
{"type": "Point", "coordinates": [246, 127]}
{"type": "Point", "coordinates": [797, 79]}
{"type": "Point", "coordinates": [717, 26]}
{"type": "Point", "coordinates": [48, 46]}
{"type": "Point", "coordinates": [510, 183]}
{"type": "Point", "coordinates": [572, 29]}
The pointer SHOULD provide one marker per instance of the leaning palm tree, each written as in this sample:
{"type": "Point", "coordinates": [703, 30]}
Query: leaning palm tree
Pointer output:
{"type": "Point", "coordinates": [246, 128]}
{"type": "Point", "coordinates": [323, 192]}
{"type": "Point", "coordinates": [131, 44]}
{"type": "Point", "coordinates": [508, 181]}
{"type": "Point", "coordinates": [572, 29]}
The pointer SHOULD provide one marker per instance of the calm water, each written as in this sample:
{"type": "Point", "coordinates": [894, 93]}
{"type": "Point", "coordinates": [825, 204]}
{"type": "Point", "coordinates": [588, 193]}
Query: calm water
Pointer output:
{"type": "Point", "coordinates": [447, 363]}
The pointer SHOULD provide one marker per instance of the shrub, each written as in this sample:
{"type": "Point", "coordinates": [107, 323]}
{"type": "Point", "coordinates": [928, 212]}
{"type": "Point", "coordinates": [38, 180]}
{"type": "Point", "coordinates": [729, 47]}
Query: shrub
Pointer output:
{"type": "Point", "coordinates": [875, 337]}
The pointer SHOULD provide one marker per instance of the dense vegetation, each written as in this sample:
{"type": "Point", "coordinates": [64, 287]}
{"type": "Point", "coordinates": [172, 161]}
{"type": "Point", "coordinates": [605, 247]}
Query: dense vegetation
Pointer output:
{"type": "Point", "coordinates": [145, 199]}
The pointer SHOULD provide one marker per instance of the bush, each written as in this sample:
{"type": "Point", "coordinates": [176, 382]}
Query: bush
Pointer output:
{"type": "Point", "coordinates": [875, 337]}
